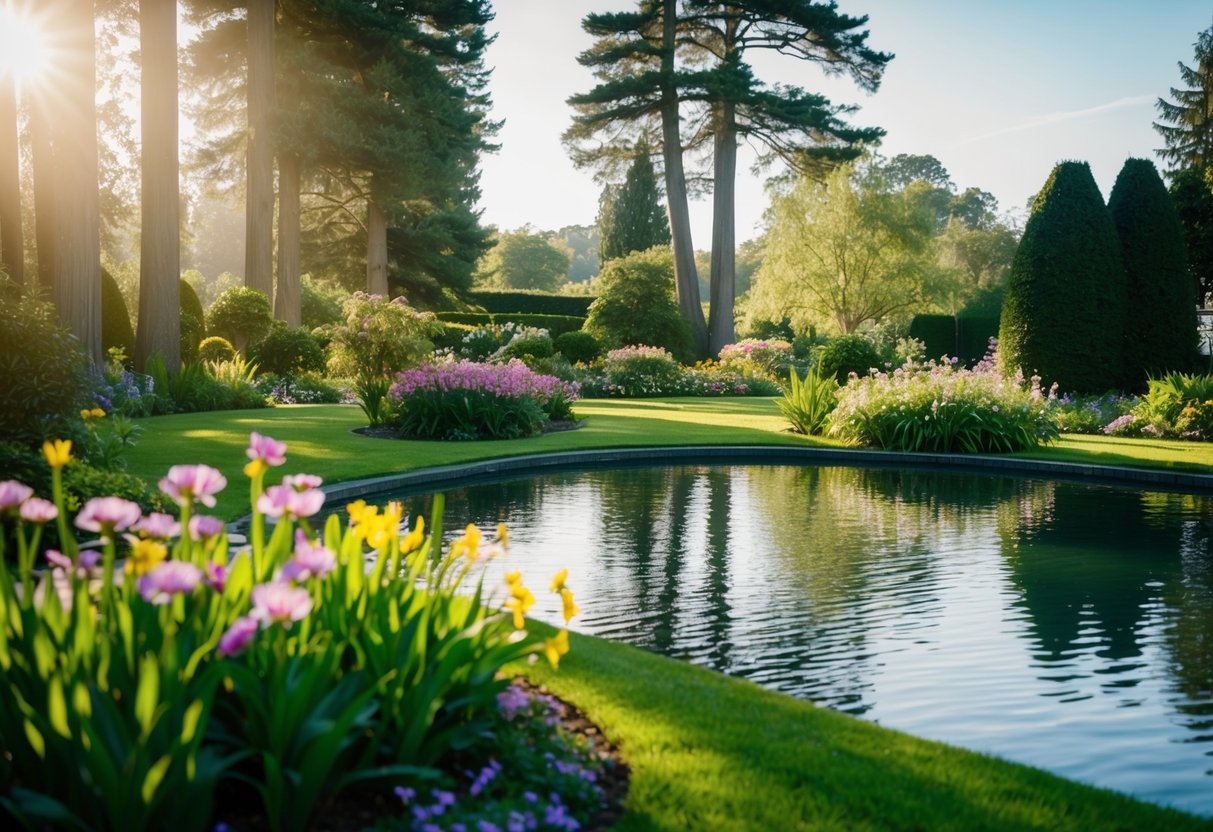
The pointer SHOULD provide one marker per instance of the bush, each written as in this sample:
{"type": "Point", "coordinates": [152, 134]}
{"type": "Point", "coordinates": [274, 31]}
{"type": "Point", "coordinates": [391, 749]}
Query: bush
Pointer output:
{"type": "Point", "coordinates": [116, 330]}
{"type": "Point", "coordinates": [468, 400]}
{"type": "Point", "coordinates": [1160, 327]}
{"type": "Point", "coordinates": [194, 388]}
{"type": "Point", "coordinates": [287, 352]}
{"type": "Point", "coordinates": [579, 347]}
{"type": "Point", "coordinates": [937, 408]}
{"type": "Point", "coordinates": [241, 315]}
{"type": "Point", "coordinates": [809, 401]}
{"type": "Point", "coordinates": [216, 349]}
{"type": "Point", "coordinates": [299, 389]}
{"type": "Point", "coordinates": [490, 342]}
{"type": "Point", "coordinates": [532, 303]}
{"type": "Point", "coordinates": [847, 354]}
{"type": "Point", "coordinates": [452, 335]}
{"type": "Point", "coordinates": [42, 370]}
{"type": "Point", "coordinates": [1176, 405]}
{"type": "Point", "coordinates": [320, 302]}
{"type": "Point", "coordinates": [193, 323]}
{"type": "Point", "coordinates": [709, 378]}
{"type": "Point", "coordinates": [772, 357]}
{"type": "Point", "coordinates": [636, 305]}
{"type": "Point", "coordinates": [537, 346]}
{"type": "Point", "coordinates": [378, 337]}
{"type": "Point", "coordinates": [1064, 310]}
{"type": "Point", "coordinates": [642, 371]}
{"type": "Point", "coordinates": [1090, 414]}
{"type": "Point", "coordinates": [289, 668]}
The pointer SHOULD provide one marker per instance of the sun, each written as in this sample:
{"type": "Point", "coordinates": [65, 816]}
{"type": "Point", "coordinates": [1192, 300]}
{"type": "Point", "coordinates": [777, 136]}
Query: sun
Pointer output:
{"type": "Point", "coordinates": [24, 51]}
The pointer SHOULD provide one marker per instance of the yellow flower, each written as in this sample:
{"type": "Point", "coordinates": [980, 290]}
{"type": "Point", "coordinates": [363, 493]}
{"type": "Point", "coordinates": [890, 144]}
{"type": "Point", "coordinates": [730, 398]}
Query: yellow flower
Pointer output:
{"type": "Point", "coordinates": [520, 600]}
{"type": "Point", "coordinates": [360, 514]}
{"type": "Point", "coordinates": [513, 578]}
{"type": "Point", "coordinates": [570, 608]}
{"type": "Point", "coordinates": [379, 529]}
{"type": "Point", "coordinates": [556, 647]}
{"type": "Point", "coordinates": [468, 545]}
{"type": "Point", "coordinates": [503, 534]}
{"type": "Point", "coordinates": [58, 452]}
{"type": "Point", "coordinates": [416, 537]}
{"type": "Point", "coordinates": [145, 556]}
{"type": "Point", "coordinates": [97, 413]}
{"type": "Point", "coordinates": [255, 468]}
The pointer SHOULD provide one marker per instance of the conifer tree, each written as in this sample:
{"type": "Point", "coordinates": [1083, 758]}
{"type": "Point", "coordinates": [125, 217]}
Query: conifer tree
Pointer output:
{"type": "Point", "coordinates": [1160, 327]}
{"type": "Point", "coordinates": [1186, 123]}
{"type": "Point", "coordinates": [635, 220]}
{"type": "Point", "coordinates": [1193, 201]}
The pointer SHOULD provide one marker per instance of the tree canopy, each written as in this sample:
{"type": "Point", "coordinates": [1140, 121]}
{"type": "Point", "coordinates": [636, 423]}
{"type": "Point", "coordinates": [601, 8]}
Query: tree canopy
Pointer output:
{"type": "Point", "coordinates": [523, 259]}
{"type": "Point", "coordinates": [632, 217]}
{"type": "Point", "coordinates": [1186, 122]}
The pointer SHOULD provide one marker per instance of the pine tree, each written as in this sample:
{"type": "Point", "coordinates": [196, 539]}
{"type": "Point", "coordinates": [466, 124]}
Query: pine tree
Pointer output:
{"type": "Point", "coordinates": [635, 221]}
{"type": "Point", "coordinates": [1160, 327]}
{"type": "Point", "coordinates": [1193, 201]}
{"type": "Point", "coordinates": [1186, 124]}
{"type": "Point", "coordinates": [1064, 309]}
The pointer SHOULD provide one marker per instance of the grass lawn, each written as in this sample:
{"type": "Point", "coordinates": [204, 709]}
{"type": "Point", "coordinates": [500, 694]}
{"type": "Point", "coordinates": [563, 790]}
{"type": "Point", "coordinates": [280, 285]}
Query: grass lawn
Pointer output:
{"type": "Point", "coordinates": [708, 751]}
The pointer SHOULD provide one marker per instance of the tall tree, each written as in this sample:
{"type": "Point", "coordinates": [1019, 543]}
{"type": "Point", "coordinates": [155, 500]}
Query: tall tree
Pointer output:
{"type": "Point", "coordinates": [1194, 202]}
{"type": "Point", "coordinates": [523, 259]}
{"type": "Point", "coordinates": [259, 205]}
{"type": "Point", "coordinates": [1186, 123]}
{"type": "Point", "coordinates": [12, 246]}
{"type": "Point", "coordinates": [635, 220]}
{"type": "Point", "coordinates": [159, 330]}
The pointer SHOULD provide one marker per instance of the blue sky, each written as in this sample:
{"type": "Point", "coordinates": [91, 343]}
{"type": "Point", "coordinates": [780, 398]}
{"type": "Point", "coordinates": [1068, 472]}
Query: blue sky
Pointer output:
{"type": "Point", "coordinates": [998, 91]}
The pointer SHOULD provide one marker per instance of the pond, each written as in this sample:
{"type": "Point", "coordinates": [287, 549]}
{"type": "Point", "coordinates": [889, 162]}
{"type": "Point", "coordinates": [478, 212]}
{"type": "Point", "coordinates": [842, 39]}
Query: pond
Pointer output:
{"type": "Point", "coordinates": [1064, 625]}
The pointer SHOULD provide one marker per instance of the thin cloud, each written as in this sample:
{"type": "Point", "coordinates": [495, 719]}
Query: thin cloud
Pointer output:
{"type": "Point", "coordinates": [1055, 118]}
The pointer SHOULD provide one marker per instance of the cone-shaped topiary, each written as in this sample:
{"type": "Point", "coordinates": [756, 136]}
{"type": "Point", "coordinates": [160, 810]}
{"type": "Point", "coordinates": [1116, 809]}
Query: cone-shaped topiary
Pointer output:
{"type": "Point", "coordinates": [1160, 302]}
{"type": "Point", "coordinates": [1063, 314]}
{"type": "Point", "coordinates": [116, 329]}
{"type": "Point", "coordinates": [193, 323]}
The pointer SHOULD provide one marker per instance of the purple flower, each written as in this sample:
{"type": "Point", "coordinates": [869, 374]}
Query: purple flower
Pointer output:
{"type": "Point", "coordinates": [312, 560]}
{"type": "Point", "coordinates": [270, 451]}
{"type": "Point", "coordinates": [280, 601]}
{"type": "Point", "coordinates": [185, 483]}
{"type": "Point", "coordinates": [237, 636]}
{"type": "Point", "coordinates": [107, 515]}
{"type": "Point", "coordinates": [283, 500]}
{"type": "Point", "coordinates": [512, 700]}
{"type": "Point", "coordinates": [38, 510]}
{"type": "Point", "coordinates": [159, 526]}
{"type": "Point", "coordinates": [168, 579]}
{"type": "Point", "coordinates": [404, 794]}
{"type": "Point", "coordinates": [13, 494]}
{"type": "Point", "coordinates": [216, 576]}
{"type": "Point", "coordinates": [203, 526]}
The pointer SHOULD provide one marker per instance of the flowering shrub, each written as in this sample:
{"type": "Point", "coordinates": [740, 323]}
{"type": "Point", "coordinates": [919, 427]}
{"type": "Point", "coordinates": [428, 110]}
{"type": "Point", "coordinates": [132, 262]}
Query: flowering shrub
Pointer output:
{"type": "Point", "coordinates": [936, 407]}
{"type": "Point", "coordinates": [469, 400]}
{"type": "Point", "coordinates": [1092, 414]}
{"type": "Point", "coordinates": [642, 371]}
{"type": "Point", "coordinates": [492, 341]}
{"type": "Point", "coordinates": [708, 378]}
{"type": "Point", "coordinates": [141, 674]}
{"type": "Point", "coordinates": [770, 357]}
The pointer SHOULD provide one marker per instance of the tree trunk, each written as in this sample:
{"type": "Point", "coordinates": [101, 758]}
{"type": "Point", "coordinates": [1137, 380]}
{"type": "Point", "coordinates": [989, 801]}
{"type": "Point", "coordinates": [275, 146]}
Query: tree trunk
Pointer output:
{"type": "Point", "coordinates": [12, 243]}
{"type": "Point", "coordinates": [724, 242]}
{"type": "Point", "coordinates": [43, 158]}
{"type": "Point", "coordinates": [259, 205]}
{"type": "Point", "coordinates": [686, 277]}
{"type": "Point", "coordinates": [77, 275]}
{"type": "Point", "coordinates": [376, 249]}
{"type": "Point", "coordinates": [159, 329]}
{"type": "Point", "coordinates": [287, 294]}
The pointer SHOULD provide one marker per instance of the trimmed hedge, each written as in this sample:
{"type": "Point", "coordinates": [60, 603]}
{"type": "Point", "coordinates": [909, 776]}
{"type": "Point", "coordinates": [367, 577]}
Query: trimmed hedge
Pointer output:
{"type": "Point", "coordinates": [556, 325]}
{"type": "Point", "coordinates": [116, 329]}
{"type": "Point", "coordinates": [452, 335]}
{"type": "Point", "coordinates": [1064, 311]}
{"type": "Point", "coordinates": [533, 303]}
{"type": "Point", "coordinates": [963, 337]}
{"type": "Point", "coordinates": [1160, 327]}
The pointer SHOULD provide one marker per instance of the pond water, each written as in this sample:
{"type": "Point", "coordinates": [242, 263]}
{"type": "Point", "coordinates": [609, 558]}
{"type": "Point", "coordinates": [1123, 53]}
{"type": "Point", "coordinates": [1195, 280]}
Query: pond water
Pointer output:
{"type": "Point", "coordinates": [1059, 624]}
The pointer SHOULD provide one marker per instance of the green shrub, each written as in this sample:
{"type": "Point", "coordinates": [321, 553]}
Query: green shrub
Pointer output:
{"type": "Point", "coordinates": [378, 337]}
{"type": "Point", "coordinates": [452, 335]}
{"type": "Point", "coordinates": [1064, 310]}
{"type": "Point", "coordinates": [809, 401]}
{"type": "Point", "coordinates": [298, 389]}
{"type": "Point", "coordinates": [241, 315]}
{"type": "Point", "coordinates": [320, 302]}
{"type": "Point", "coordinates": [846, 354]}
{"type": "Point", "coordinates": [1177, 405]}
{"type": "Point", "coordinates": [116, 329]}
{"type": "Point", "coordinates": [216, 349]}
{"type": "Point", "coordinates": [1160, 327]}
{"type": "Point", "coordinates": [636, 305]}
{"type": "Point", "coordinates": [42, 370]}
{"type": "Point", "coordinates": [579, 347]}
{"type": "Point", "coordinates": [194, 388]}
{"type": "Point", "coordinates": [528, 347]}
{"type": "Point", "coordinates": [193, 323]}
{"type": "Point", "coordinates": [642, 371]}
{"type": "Point", "coordinates": [533, 303]}
{"type": "Point", "coordinates": [287, 352]}
{"type": "Point", "coordinates": [555, 325]}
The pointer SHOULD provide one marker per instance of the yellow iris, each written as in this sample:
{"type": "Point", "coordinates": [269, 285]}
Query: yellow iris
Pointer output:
{"type": "Point", "coordinates": [145, 556]}
{"type": "Point", "coordinates": [520, 600]}
{"type": "Point", "coordinates": [503, 534]}
{"type": "Point", "coordinates": [468, 545]}
{"type": "Point", "coordinates": [255, 468]}
{"type": "Point", "coordinates": [570, 608]}
{"type": "Point", "coordinates": [358, 511]}
{"type": "Point", "coordinates": [555, 647]}
{"type": "Point", "coordinates": [558, 581]}
{"type": "Point", "coordinates": [58, 452]}
{"type": "Point", "coordinates": [416, 537]}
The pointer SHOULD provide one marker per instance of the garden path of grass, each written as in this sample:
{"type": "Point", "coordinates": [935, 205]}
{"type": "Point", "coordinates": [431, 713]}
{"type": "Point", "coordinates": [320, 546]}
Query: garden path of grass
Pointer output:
{"type": "Point", "coordinates": [707, 751]}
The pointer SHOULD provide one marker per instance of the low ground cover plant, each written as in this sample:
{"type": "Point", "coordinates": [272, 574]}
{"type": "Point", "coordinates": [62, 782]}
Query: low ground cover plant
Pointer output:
{"type": "Point", "coordinates": [143, 673]}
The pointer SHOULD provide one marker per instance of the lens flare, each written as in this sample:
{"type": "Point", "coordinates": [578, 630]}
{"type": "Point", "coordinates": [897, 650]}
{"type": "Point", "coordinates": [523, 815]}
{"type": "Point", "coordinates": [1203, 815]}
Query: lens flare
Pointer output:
{"type": "Point", "coordinates": [24, 52]}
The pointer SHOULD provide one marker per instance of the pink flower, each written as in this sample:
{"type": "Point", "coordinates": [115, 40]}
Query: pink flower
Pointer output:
{"type": "Point", "coordinates": [38, 510]}
{"type": "Point", "coordinates": [13, 494]}
{"type": "Point", "coordinates": [237, 636]}
{"type": "Point", "coordinates": [107, 515]}
{"type": "Point", "coordinates": [185, 483]}
{"type": "Point", "coordinates": [158, 525]}
{"type": "Point", "coordinates": [302, 482]}
{"type": "Point", "coordinates": [203, 526]}
{"type": "Point", "coordinates": [216, 576]}
{"type": "Point", "coordinates": [283, 500]}
{"type": "Point", "coordinates": [270, 451]}
{"type": "Point", "coordinates": [279, 601]}
{"type": "Point", "coordinates": [312, 560]}
{"type": "Point", "coordinates": [168, 579]}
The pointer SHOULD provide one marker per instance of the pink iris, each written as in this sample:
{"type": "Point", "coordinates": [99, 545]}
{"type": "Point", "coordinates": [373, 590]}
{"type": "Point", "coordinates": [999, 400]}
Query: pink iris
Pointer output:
{"type": "Point", "coordinates": [107, 515]}
{"type": "Point", "coordinates": [237, 636]}
{"type": "Point", "coordinates": [158, 525]}
{"type": "Point", "coordinates": [38, 510]}
{"type": "Point", "coordinates": [270, 451]}
{"type": "Point", "coordinates": [279, 601]}
{"type": "Point", "coordinates": [193, 482]}
{"type": "Point", "coordinates": [203, 526]}
{"type": "Point", "coordinates": [302, 482]}
{"type": "Point", "coordinates": [312, 560]}
{"type": "Point", "coordinates": [13, 494]}
{"type": "Point", "coordinates": [216, 576]}
{"type": "Point", "coordinates": [280, 500]}
{"type": "Point", "coordinates": [170, 578]}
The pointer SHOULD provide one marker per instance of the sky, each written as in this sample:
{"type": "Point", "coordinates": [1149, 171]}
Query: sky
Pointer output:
{"type": "Point", "coordinates": [997, 91]}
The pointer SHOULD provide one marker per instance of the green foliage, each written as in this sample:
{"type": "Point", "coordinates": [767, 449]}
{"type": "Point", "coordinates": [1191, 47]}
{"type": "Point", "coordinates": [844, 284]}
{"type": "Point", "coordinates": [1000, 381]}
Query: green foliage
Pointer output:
{"type": "Point", "coordinates": [938, 409]}
{"type": "Point", "coordinates": [809, 401]}
{"type": "Point", "coordinates": [241, 315]}
{"type": "Point", "coordinates": [579, 347]}
{"type": "Point", "coordinates": [1193, 199]}
{"type": "Point", "coordinates": [642, 371]}
{"type": "Point", "coordinates": [844, 355]}
{"type": "Point", "coordinates": [538, 346]}
{"type": "Point", "coordinates": [632, 217]}
{"type": "Point", "coordinates": [193, 322]}
{"type": "Point", "coordinates": [1064, 311]}
{"type": "Point", "coordinates": [42, 369]}
{"type": "Point", "coordinates": [533, 303]}
{"type": "Point", "coordinates": [116, 329]}
{"type": "Point", "coordinates": [1186, 124]}
{"type": "Point", "coordinates": [1160, 327]}
{"type": "Point", "coordinates": [320, 302]}
{"type": "Point", "coordinates": [525, 260]}
{"type": "Point", "coordinates": [452, 334]}
{"type": "Point", "coordinates": [1177, 405]}
{"type": "Point", "coordinates": [378, 337]}
{"type": "Point", "coordinates": [288, 352]}
{"type": "Point", "coordinates": [636, 305]}
{"type": "Point", "coordinates": [955, 336]}
{"type": "Point", "coordinates": [1090, 414]}
{"type": "Point", "coordinates": [216, 349]}
{"type": "Point", "coordinates": [195, 388]}
{"type": "Point", "coordinates": [556, 325]}
{"type": "Point", "coordinates": [298, 389]}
